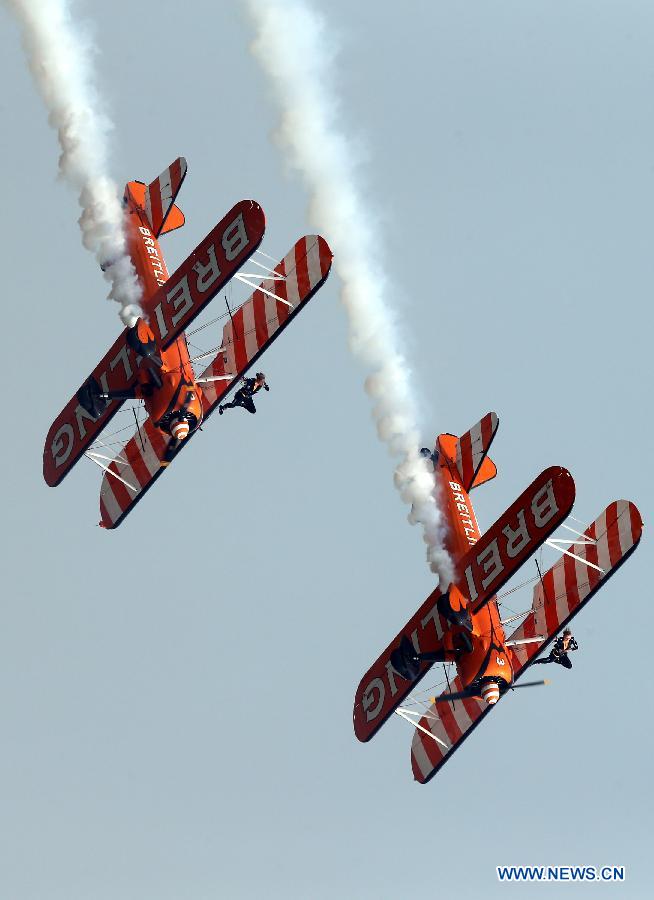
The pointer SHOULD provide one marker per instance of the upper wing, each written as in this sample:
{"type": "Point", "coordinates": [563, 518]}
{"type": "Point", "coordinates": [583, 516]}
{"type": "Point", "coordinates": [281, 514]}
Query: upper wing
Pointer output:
{"type": "Point", "coordinates": [256, 324]}
{"type": "Point", "coordinates": [582, 570]}
{"type": "Point", "coordinates": [260, 320]}
{"type": "Point", "coordinates": [197, 281]}
{"type": "Point", "coordinates": [585, 566]}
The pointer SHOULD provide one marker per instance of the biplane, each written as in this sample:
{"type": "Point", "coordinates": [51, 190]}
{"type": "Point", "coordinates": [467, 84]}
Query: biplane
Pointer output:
{"type": "Point", "coordinates": [461, 626]}
{"type": "Point", "coordinates": [151, 362]}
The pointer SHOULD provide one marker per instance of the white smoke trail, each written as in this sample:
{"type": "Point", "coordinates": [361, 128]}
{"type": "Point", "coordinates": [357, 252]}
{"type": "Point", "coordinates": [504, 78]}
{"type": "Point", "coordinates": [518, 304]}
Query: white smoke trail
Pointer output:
{"type": "Point", "coordinates": [293, 51]}
{"type": "Point", "coordinates": [59, 58]}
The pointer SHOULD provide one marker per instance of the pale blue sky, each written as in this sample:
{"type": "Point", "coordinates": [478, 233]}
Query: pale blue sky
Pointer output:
{"type": "Point", "coordinates": [176, 695]}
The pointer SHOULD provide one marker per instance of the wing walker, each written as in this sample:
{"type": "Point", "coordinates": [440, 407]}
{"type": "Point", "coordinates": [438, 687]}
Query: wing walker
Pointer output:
{"type": "Point", "coordinates": [461, 626]}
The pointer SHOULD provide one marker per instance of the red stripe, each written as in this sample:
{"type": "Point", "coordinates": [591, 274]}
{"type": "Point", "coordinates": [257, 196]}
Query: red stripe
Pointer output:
{"type": "Point", "coordinates": [529, 630]}
{"type": "Point", "coordinates": [449, 722]}
{"type": "Point", "coordinates": [465, 444]}
{"type": "Point", "coordinates": [120, 492]}
{"type": "Point", "coordinates": [432, 748]}
{"type": "Point", "coordinates": [486, 431]}
{"type": "Point", "coordinates": [240, 353]}
{"type": "Point", "coordinates": [325, 256]}
{"type": "Point", "coordinates": [549, 603]}
{"type": "Point", "coordinates": [155, 205]}
{"type": "Point", "coordinates": [135, 459]}
{"type": "Point", "coordinates": [283, 311]}
{"type": "Point", "coordinates": [471, 708]}
{"type": "Point", "coordinates": [592, 555]}
{"type": "Point", "coordinates": [175, 176]}
{"type": "Point", "coordinates": [636, 523]}
{"type": "Point", "coordinates": [613, 534]}
{"type": "Point", "coordinates": [259, 311]}
{"type": "Point", "coordinates": [570, 580]}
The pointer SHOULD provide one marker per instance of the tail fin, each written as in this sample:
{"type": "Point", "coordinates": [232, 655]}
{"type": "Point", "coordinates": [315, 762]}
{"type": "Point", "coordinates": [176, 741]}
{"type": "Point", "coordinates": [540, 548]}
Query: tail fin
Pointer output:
{"type": "Point", "coordinates": [160, 197]}
{"type": "Point", "coordinates": [468, 453]}
{"type": "Point", "coordinates": [157, 200]}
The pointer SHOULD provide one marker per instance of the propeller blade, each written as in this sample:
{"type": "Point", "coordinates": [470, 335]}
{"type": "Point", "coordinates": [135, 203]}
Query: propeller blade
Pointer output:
{"type": "Point", "coordinates": [456, 695]}
{"type": "Point", "coordinates": [514, 687]}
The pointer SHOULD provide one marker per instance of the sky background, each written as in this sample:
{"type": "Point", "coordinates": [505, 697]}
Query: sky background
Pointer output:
{"type": "Point", "coordinates": [175, 696]}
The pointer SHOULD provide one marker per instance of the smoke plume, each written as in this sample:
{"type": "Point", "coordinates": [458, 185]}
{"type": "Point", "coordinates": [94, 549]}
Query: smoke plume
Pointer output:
{"type": "Point", "coordinates": [293, 51]}
{"type": "Point", "coordinates": [59, 55]}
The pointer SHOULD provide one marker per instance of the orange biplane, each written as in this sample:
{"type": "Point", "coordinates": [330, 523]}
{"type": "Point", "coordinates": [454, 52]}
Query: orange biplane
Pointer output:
{"type": "Point", "coordinates": [462, 625]}
{"type": "Point", "coordinates": [151, 360]}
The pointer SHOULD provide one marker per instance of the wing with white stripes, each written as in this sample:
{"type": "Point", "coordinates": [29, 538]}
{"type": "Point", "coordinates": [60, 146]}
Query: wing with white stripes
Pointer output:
{"type": "Point", "coordinates": [262, 318]}
{"type": "Point", "coordinates": [587, 563]}
{"type": "Point", "coordinates": [249, 332]}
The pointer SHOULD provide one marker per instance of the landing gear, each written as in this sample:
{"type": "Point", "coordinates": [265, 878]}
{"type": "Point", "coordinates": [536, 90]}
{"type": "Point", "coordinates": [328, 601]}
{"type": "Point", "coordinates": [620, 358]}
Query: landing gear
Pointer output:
{"type": "Point", "coordinates": [405, 660]}
{"type": "Point", "coordinates": [91, 398]}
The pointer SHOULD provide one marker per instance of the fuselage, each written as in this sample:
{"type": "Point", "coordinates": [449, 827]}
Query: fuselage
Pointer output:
{"type": "Point", "coordinates": [177, 376]}
{"type": "Point", "coordinates": [488, 658]}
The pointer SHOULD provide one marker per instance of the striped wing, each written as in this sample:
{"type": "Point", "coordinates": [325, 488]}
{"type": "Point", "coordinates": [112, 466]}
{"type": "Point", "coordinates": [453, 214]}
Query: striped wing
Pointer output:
{"type": "Point", "coordinates": [262, 318]}
{"type": "Point", "coordinates": [255, 326]}
{"type": "Point", "coordinates": [571, 582]}
{"type": "Point", "coordinates": [566, 588]}
{"type": "Point", "coordinates": [160, 194]}
{"type": "Point", "coordinates": [472, 447]}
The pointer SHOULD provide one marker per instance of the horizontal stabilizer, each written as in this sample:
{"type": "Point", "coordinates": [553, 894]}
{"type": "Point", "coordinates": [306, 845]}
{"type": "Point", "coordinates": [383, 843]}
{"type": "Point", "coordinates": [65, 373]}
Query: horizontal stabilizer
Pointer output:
{"type": "Point", "coordinates": [565, 589]}
{"type": "Point", "coordinates": [487, 471]}
{"type": "Point", "coordinates": [175, 305]}
{"type": "Point", "coordinates": [248, 333]}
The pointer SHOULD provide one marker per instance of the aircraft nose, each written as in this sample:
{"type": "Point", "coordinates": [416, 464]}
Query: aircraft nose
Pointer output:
{"type": "Point", "coordinates": [490, 692]}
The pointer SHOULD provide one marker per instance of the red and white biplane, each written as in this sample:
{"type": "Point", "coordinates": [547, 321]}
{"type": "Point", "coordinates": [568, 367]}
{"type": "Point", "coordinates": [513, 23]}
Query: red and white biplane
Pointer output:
{"type": "Point", "coordinates": [462, 626]}
{"type": "Point", "coordinates": [151, 361]}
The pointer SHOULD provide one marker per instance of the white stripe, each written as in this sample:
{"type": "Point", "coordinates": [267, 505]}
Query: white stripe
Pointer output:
{"type": "Point", "coordinates": [435, 725]}
{"type": "Point", "coordinates": [148, 206]}
{"type": "Point", "coordinates": [166, 191]}
{"type": "Point", "coordinates": [477, 445]}
{"type": "Point", "coordinates": [272, 321]}
{"type": "Point", "coordinates": [419, 753]}
{"type": "Point", "coordinates": [292, 290]}
{"type": "Point", "coordinates": [251, 346]}
{"type": "Point", "coordinates": [461, 716]}
{"type": "Point", "coordinates": [150, 459]}
{"type": "Point", "coordinates": [111, 504]}
{"type": "Point", "coordinates": [582, 575]}
{"type": "Point", "coordinates": [603, 558]}
{"type": "Point", "coordinates": [313, 261]}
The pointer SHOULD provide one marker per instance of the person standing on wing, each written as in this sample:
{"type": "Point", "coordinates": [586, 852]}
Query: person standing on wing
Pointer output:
{"type": "Point", "coordinates": [559, 653]}
{"type": "Point", "coordinates": [243, 396]}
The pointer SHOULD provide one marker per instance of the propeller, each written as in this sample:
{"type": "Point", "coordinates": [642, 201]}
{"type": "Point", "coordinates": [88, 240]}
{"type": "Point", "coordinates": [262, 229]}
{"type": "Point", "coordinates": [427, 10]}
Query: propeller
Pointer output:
{"type": "Point", "coordinates": [474, 691]}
